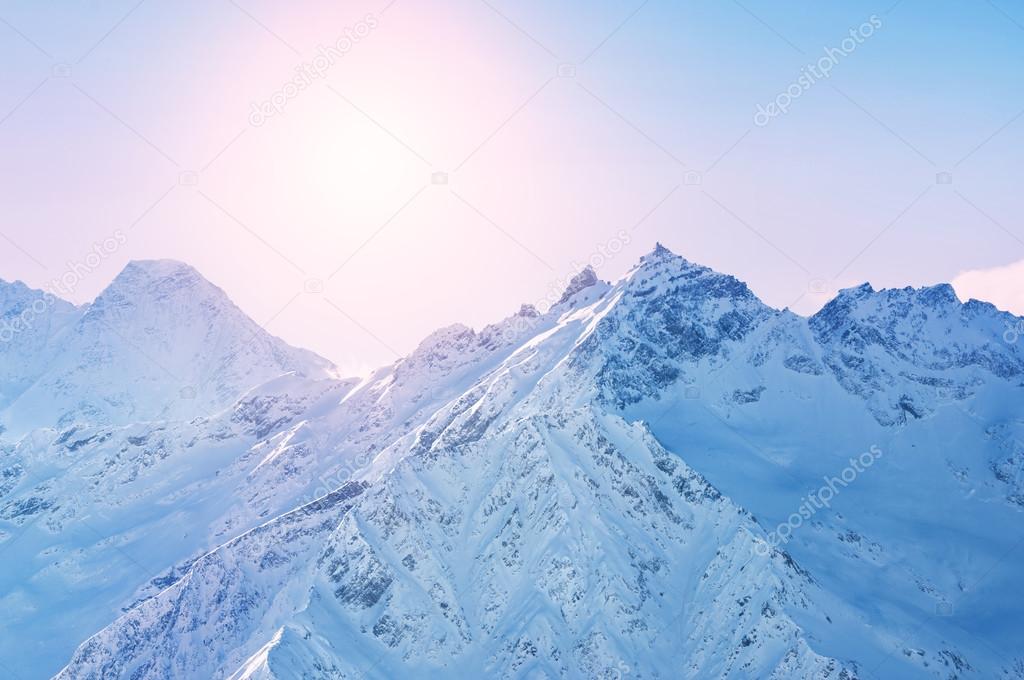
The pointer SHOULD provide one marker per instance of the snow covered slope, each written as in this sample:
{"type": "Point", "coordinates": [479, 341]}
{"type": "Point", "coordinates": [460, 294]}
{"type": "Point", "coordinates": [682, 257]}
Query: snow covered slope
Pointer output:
{"type": "Point", "coordinates": [568, 546]}
{"type": "Point", "coordinates": [659, 477]}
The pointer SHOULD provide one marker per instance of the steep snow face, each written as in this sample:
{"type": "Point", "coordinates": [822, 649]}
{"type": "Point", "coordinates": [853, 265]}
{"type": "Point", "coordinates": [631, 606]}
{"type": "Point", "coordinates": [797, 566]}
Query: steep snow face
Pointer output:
{"type": "Point", "coordinates": [31, 323]}
{"type": "Point", "coordinates": [560, 546]}
{"type": "Point", "coordinates": [95, 518]}
{"type": "Point", "coordinates": [568, 545]}
{"type": "Point", "coordinates": [159, 342]}
{"type": "Point", "coordinates": [219, 605]}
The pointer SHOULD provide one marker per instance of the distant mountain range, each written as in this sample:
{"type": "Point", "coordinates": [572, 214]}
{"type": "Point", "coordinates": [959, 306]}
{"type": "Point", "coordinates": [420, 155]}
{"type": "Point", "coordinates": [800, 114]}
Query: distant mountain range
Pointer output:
{"type": "Point", "coordinates": [658, 477]}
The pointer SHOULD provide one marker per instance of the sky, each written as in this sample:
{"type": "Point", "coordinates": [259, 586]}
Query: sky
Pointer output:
{"type": "Point", "coordinates": [357, 174]}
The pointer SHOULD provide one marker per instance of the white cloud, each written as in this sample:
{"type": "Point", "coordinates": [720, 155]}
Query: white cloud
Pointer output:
{"type": "Point", "coordinates": [1002, 286]}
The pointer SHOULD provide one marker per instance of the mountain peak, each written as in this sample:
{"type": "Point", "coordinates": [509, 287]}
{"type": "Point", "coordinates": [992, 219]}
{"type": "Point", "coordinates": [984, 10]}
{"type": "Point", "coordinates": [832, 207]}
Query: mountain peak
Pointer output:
{"type": "Point", "coordinates": [160, 267]}
{"type": "Point", "coordinates": [586, 278]}
{"type": "Point", "coordinates": [160, 281]}
{"type": "Point", "coordinates": [17, 285]}
{"type": "Point", "coordinates": [443, 336]}
{"type": "Point", "coordinates": [663, 258]}
{"type": "Point", "coordinates": [662, 272]}
{"type": "Point", "coordinates": [661, 254]}
{"type": "Point", "coordinates": [14, 295]}
{"type": "Point", "coordinates": [856, 292]}
{"type": "Point", "coordinates": [160, 342]}
{"type": "Point", "coordinates": [147, 273]}
{"type": "Point", "coordinates": [939, 294]}
{"type": "Point", "coordinates": [528, 311]}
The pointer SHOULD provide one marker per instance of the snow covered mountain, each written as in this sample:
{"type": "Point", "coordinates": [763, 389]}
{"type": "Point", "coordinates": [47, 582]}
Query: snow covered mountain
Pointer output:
{"type": "Point", "coordinates": [660, 477]}
{"type": "Point", "coordinates": [159, 342]}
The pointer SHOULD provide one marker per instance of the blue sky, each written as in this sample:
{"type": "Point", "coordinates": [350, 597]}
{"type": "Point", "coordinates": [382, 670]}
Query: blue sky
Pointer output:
{"type": "Point", "coordinates": [559, 127]}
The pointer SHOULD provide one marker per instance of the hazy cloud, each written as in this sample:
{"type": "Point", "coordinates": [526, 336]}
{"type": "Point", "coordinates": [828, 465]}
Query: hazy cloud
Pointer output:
{"type": "Point", "coordinates": [1002, 286]}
